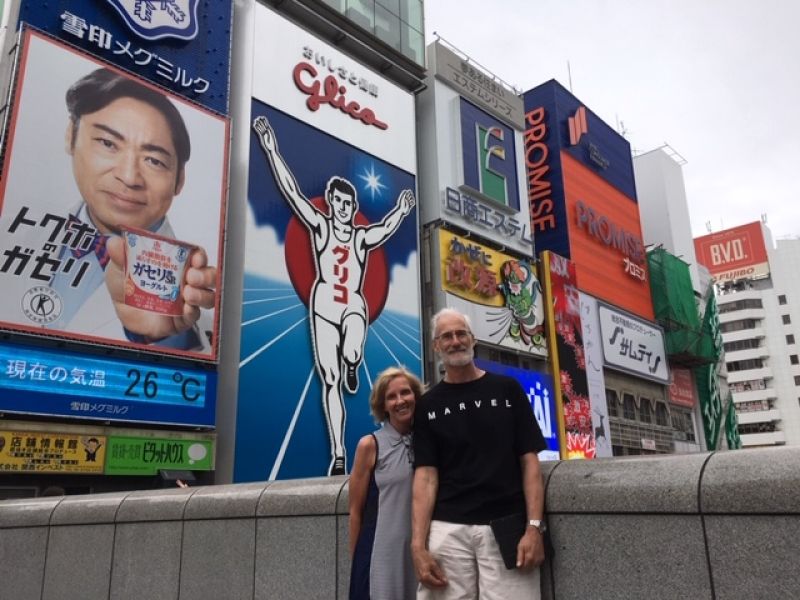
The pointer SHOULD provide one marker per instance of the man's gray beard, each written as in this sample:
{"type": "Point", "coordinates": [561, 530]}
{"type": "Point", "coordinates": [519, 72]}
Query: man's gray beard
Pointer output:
{"type": "Point", "coordinates": [461, 360]}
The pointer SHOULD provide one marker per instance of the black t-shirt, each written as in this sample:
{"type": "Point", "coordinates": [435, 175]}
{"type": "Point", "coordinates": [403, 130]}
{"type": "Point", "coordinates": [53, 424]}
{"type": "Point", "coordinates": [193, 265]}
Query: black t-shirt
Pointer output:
{"type": "Point", "coordinates": [474, 433]}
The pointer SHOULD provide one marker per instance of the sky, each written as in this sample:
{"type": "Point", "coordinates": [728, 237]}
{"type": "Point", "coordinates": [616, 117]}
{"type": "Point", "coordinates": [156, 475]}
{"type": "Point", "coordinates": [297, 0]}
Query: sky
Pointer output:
{"type": "Point", "coordinates": [717, 80]}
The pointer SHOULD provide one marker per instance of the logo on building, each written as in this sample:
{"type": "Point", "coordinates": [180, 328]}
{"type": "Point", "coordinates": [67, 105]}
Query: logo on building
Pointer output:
{"type": "Point", "coordinates": [156, 19]}
{"type": "Point", "coordinates": [577, 126]}
{"type": "Point", "coordinates": [489, 156]}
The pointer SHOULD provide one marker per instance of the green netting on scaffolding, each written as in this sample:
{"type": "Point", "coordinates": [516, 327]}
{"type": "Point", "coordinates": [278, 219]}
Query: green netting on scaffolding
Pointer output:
{"type": "Point", "coordinates": [674, 303]}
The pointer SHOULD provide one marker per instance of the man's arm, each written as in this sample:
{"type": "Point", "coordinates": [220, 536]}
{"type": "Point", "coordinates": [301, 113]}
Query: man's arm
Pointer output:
{"type": "Point", "coordinates": [530, 550]}
{"type": "Point", "coordinates": [380, 232]}
{"type": "Point", "coordinates": [426, 484]}
{"type": "Point", "coordinates": [284, 177]}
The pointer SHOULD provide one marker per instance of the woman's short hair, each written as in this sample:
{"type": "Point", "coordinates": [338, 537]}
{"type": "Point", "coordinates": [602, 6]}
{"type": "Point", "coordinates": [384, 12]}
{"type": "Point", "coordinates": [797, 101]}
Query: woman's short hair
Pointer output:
{"type": "Point", "coordinates": [377, 399]}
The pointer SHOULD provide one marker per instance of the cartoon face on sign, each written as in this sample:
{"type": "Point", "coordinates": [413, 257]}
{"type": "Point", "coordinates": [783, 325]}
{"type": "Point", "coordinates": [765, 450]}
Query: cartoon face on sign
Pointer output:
{"type": "Point", "coordinates": [338, 309]}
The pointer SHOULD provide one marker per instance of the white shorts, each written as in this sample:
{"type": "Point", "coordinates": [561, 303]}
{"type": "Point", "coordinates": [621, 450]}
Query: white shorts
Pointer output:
{"type": "Point", "coordinates": [471, 561]}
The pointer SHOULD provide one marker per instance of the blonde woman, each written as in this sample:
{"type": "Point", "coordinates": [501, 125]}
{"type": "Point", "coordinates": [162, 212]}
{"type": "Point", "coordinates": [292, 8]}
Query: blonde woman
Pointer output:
{"type": "Point", "coordinates": [380, 494]}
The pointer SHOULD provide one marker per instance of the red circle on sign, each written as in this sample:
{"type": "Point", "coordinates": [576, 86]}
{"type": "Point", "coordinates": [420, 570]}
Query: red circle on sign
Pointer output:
{"type": "Point", "coordinates": [299, 256]}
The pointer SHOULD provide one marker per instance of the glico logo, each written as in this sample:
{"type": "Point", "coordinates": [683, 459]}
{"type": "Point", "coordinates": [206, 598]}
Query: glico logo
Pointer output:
{"type": "Point", "coordinates": [489, 157]}
{"type": "Point", "coordinates": [330, 92]}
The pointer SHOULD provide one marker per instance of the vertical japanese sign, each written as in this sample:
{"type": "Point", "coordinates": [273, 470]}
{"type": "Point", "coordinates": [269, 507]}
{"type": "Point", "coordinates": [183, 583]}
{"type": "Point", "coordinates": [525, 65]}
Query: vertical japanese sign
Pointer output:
{"type": "Point", "coordinates": [707, 376]}
{"type": "Point", "coordinates": [595, 379]}
{"type": "Point", "coordinates": [331, 291]}
{"type": "Point", "coordinates": [181, 45]}
{"type": "Point", "coordinates": [500, 293]}
{"type": "Point", "coordinates": [91, 151]}
{"type": "Point", "coordinates": [732, 436]}
{"type": "Point", "coordinates": [563, 313]}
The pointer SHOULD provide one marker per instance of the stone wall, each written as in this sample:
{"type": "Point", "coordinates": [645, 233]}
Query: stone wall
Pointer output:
{"type": "Point", "coordinates": [703, 526]}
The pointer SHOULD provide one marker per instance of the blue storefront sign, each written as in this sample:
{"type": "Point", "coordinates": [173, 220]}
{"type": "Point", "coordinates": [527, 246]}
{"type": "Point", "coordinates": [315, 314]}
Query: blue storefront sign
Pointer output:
{"type": "Point", "coordinates": [182, 45]}
{"type": "Point", "coordinates": [69, 384]}
{"type": "Point", "coordinates": [541, 393]}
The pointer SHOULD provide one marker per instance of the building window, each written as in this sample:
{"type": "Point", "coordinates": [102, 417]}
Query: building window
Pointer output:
{"type": "Point", "coordinates": [662, 415]}
{"type": "Point", "coordinates": [782, 299]}
{"type": "Point", "coordinates": [787, 320]}
{"type": "Point", "coordinates": [797, 379]}
{"type": "Point", "coordinates": [793, 359]}
{"type": "Point", "coordinates": [645, 412]}
{"type": "Point", "coordinates": [612, 401]}
{"type": "Point", "coordinates": [683, 425]}
{"type": "Point", "coordinates": [739, 305]}
{"type": "Point", "coordinates": [745, 365]}
{"type": "Point", "coordinates": [748, 344]}
{"type": "Point", "coordinates": [738, 325]}
{"type": "Point", "coordinates": [628, 407]}
{"type": "Point", "coordinates": [790, 339]}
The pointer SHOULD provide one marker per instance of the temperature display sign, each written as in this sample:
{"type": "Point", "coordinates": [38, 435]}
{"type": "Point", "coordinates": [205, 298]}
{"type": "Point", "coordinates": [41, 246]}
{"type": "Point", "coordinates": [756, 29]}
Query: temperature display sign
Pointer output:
{"type": "Point", "coordinates": [68, 384]}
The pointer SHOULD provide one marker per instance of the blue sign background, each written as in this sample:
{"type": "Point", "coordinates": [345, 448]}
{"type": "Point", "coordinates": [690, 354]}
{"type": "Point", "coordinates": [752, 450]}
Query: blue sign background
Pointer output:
{"type": "Point", "coordinates": [69, 384]}
{"type": "Point", "coordinates": [541, 392]}
{"type": "Point", "coordinates": [206, 57]}
{"type": "Point", "coordinates": [281, 430]}
{"type": "Point", "coordinates": [471, 118]}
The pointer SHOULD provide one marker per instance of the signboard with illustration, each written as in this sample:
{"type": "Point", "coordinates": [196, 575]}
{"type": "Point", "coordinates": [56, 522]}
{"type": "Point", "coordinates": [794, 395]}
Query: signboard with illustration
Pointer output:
{"type": "Point", "coordinates": [92, 151]}
{"type": "Point", "coordinates": [563, 310]}
{"type": "Point", "coordinates": [500, 293]}
{"type": "Point", "coordinates": [129, 455]}
{"type": "Point", "coordinates": [38, 452]}
{"type": "Point", "coordinates": [331, 292]}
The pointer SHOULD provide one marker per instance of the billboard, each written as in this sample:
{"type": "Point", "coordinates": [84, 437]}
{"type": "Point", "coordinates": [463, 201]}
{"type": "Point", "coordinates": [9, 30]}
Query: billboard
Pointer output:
{"type": "Point", "coordinates": [633, 345]}
{"type": "Point", "coordinates": [38, 452]}
{"type": "Point", "coordinates": [31, 448]}
{"type": "Point", "coordinates": [500, 293]}
{"type": "Point", "coordinates": [482, 88]}
{"type": "Point", "coordinates": [563, 313]}
{"type": "Point", "coordinates": [331, 276]}
{"type": "Point", "coordinates": [118, 153]}
{"type": "Point", "coordinates": [582, 135]}
{"type": "Point", "coordinates": [38, 381]}
{"type": "Point", "coordinates": [181, 45]}
{"type": "Point", "coordinates": [595, 378]}
{"type": "Point", "coordinates": [541, 392]}
{"type": "Point", "coordinates": [606, 244]}
{"type": "Point", "coordinates": [582, 197]}
{"type": "Point", "coordinates": [736, 253]}
{"type": "Point", "coordinates": [139, 455]}
{"type": "Point", "coordinates": [681, 388]}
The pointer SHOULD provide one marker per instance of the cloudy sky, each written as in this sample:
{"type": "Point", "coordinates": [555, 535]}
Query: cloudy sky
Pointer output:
{"type": "Point", "coordinates": [718, 80]}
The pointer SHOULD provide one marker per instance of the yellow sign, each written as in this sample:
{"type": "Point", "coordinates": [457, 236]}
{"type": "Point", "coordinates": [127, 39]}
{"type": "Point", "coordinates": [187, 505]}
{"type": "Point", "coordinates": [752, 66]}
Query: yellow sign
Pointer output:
{"type": "Point", "coordinates": [472, 271]}
{"type": "Point", "coordinates": [37, 452]}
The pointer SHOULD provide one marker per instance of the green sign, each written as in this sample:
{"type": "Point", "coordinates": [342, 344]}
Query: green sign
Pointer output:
{"type": "Point", "coordinates": [147, 456]}
{"type": "Point", "coordinates": [732, 427]}
{"type": "Point", "coordinates": [707, 377]}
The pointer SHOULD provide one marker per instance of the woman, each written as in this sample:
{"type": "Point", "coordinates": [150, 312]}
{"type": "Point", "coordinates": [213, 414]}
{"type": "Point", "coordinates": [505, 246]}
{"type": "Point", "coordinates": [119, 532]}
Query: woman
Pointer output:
{"type": "Point", "coordinates": [380, 494]}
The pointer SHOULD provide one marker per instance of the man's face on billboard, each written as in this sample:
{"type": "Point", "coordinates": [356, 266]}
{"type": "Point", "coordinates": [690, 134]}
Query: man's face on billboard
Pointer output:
{"type": "Point", "coordinates": [343, 206]}
{"type": "Point", "coordinates": [125, 164]}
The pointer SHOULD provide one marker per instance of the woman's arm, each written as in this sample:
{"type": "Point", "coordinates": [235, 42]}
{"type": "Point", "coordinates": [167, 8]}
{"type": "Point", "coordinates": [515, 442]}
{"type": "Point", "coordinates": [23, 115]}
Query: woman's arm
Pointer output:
{"type": "Point", "coordinates": [359, 485]}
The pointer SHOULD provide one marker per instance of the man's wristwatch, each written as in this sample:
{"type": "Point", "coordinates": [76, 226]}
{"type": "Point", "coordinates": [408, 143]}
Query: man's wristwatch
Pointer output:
{"type": "Point", "coordinates": [538, 524]}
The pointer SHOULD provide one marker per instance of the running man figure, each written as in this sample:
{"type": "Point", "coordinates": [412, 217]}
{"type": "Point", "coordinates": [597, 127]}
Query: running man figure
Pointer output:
{"type": "Point", "coordinates": [337, 306]}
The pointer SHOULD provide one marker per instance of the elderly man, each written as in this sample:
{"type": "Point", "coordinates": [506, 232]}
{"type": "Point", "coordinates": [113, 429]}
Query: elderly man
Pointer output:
{"type": "Point", "coordinates": [475, 443]}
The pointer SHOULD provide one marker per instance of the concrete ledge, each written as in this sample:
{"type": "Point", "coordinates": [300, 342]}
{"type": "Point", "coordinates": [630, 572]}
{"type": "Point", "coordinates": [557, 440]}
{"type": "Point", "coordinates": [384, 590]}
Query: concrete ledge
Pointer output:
{"type": "Point", "coordinates": [771, 482]}
{"type": "Point", "coordinates": [703, 526]}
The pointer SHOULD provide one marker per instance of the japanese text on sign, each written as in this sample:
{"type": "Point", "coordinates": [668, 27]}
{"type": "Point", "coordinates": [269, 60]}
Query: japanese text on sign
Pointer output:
{"type": "Point", "coordinates": [79, 27]}
{"type": "Point", "coordinates": [485, 216]}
